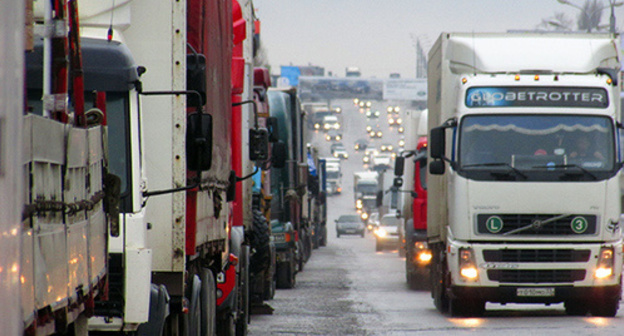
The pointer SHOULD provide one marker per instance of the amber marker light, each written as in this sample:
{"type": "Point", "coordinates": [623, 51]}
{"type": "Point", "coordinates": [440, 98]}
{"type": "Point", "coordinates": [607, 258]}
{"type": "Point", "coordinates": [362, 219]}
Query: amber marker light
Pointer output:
{"type": "Point", "coordinates": [464, 80]}
{"type": "Point", "coordinates": [536, 77]}
{"type": "Point", "coordinates": [517, 77]}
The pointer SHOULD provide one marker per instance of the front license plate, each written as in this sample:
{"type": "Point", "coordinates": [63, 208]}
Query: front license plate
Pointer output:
{"type": "Point", "coordinates": [535, 291]}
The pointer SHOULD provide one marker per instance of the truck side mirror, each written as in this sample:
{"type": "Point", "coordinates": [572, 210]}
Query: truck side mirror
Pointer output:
{"type": "Point", "coordinates": [437, 142]}
{"type": "Point", "coordinates": [196, 79]}
{"type": "Point", "coordinates": [273, 127]}
{"type": "Point", "coordinates": [258, 144]}
{"type": "Point", "coordinates": [279, 154]}
{"type": "Point", "coordinates": [399, 166]}
{"type": "Point", "coordinates": [199, 141]}
{"type": "Point", "coordinates": [436, 167]}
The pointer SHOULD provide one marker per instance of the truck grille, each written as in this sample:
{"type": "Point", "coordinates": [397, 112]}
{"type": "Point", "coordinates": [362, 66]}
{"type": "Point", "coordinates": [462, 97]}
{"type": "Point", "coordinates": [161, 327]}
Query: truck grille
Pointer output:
{"type": "Point", "coordinates": [510, 222]}
{"type": "Point", "coordinates": [536, 276]}
{"type": "Point", "coordinates": [545, 256]}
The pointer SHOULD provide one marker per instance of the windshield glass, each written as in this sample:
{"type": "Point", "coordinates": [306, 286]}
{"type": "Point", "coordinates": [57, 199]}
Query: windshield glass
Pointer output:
{"type": "Point", "coordinates": [536, 147]}
{"type": "Point", "coordinates": [349, 218]}
{"type": "Point", "coordinates": [389, 221]}
{"type": "Point", "coordinates": [367, 188]}
{"type": "Point", "coordinates": [333, 174]}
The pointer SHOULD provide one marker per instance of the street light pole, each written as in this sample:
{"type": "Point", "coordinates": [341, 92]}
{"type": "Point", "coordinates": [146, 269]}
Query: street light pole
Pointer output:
{"type": "Point", "coordinates": [612, 5]}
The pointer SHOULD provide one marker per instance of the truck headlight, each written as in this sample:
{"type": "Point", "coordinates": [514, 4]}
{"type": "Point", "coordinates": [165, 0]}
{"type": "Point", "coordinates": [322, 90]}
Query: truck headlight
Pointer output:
{"type": "Point", "coordinates": [317, 126]}
{"type": "Point", "coordinates": [467, 266]}
{"type": "Point", "coordinates": [328, 137]}
{"type": "Point", "coordinates": [358, 204]}
{"type": "Point", "coordinates": [604, 268]}
{"type": "Point", "coordinates": [366, 159]}
{"type": "Point", "coordinates": [364, 216]}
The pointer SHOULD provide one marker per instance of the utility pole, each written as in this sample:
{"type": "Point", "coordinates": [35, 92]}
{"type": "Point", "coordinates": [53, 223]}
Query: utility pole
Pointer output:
{"type": "Point", "coordinates": [421, 58]}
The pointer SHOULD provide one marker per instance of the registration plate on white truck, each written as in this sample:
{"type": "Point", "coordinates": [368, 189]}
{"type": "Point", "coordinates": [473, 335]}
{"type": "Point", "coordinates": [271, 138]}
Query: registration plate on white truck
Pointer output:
{"type": "Point", "coordinates": [550, 291]}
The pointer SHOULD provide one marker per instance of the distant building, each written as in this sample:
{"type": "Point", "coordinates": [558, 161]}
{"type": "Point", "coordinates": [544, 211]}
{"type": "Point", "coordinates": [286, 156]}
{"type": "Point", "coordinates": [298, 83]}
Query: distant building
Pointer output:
{"type": "Point", "coordinates": [395, 75]}
{"type": "Point", "coordinates": [353, 72]}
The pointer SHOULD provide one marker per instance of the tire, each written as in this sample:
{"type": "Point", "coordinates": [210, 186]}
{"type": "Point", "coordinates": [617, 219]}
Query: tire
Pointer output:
{"type": "Point", "coordinates": [226, 326]}
{"type": "Point", "coordinates": [576, 307]}
{"type": "Point", "coordinates": [259, 240]}
{"type": "Point", "coordinates": [193, 320]}
{"type": "Point", "coordinates": [438, 282]}
{"type": "Point", "coordinates": [337, 234]}
{"type": "Point", "coordinates": [209, 302]}
{"type": "Point", "coordinates": [323, 241]}
{"type": "Point", "coordinates": [243, 316]}
{"type": "Point", "coordinates": [363, 233]}
{"type": "Point", "coordinates": [605, 307]}
{"type": "Point", "coordinates": [285, 276]}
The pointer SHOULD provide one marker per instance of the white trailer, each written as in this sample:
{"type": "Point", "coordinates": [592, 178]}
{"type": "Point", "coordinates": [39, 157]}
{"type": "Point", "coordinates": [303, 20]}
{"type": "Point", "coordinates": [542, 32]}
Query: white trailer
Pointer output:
{"type": "Point", "coordinates": [519, 213]}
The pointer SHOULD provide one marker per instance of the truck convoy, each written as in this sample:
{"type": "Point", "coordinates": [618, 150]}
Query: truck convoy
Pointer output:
{"type": "Point", "coordinates": [521, 207]}
{"type": "Point", "coordinates": [135, 181]}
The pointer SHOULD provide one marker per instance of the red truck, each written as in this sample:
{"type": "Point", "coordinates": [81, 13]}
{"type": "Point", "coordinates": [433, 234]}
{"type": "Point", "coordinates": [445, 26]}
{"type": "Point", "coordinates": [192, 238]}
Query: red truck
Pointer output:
{"type": "Point", "coordinates": [413, 239]}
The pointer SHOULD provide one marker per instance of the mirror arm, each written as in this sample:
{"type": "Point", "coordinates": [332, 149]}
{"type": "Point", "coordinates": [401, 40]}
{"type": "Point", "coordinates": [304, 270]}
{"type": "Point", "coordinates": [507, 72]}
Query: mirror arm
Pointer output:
{"type": "Point", "coordinates": [239, 179]}
{"type": "Point", "coordinates": [175, 93]}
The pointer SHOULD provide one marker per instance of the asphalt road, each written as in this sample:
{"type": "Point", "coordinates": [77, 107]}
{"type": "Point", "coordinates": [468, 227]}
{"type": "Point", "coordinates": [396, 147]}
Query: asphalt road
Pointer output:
{"type": "Point", "coordinates": [347, 288]}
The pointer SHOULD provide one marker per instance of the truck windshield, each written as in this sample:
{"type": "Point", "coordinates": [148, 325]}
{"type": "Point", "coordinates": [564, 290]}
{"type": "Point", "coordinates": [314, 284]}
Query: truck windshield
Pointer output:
{"type": "Point", "coordinates": [367, 189]}
{"type": "Point", "coordinates": [536, 147]}
{"type": "Point", "coordinates": [333, 175]}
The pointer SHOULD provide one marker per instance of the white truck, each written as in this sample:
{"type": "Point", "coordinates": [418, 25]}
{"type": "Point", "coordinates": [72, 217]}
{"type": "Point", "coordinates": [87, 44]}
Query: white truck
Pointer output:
{"type": "Point", "coordinates": [365, 189]}
{"type": "Point", "coordinates": [523, 212]}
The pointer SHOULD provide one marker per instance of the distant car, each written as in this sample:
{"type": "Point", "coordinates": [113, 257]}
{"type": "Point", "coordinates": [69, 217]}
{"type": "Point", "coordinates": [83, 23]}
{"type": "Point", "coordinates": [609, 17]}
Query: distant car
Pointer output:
{"type": "Point", "coordinates": [386, 147]}
{"type": "Point", "coordinates": [372, 223]}
{"type": "Point", "coordinates": [381, 161]}
{"type": "Point", "coordinates": [402, 142]}
{"type": "Point", "coordinates": [393, 109]}
{"type": "Point", "coordinates": [317, 119]}
{"type": "Point", "coordinates": [368, 154]}
{"type": "Point", "coordinates": [341, 153]}
{"type": "Point", "coordinates": [387, 234]}
{"type": "Point", "coordinates": [375, 133]}
{"type": "Point", "coordinates": [371, 114]}
{"type": "Point", "coordinates": [349, 224]}
{"type": "Point", "coordinates": [333, 135]}
{"type": "Point", "coordinates": [360, 144]}
{"type": "Point", "coordinates": [331, 122]}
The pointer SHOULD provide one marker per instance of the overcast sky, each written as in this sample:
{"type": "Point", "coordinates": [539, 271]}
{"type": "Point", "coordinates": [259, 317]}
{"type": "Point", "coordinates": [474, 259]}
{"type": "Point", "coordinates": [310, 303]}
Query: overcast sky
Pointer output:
{"type": "Point", "coordinates": [377, 35]}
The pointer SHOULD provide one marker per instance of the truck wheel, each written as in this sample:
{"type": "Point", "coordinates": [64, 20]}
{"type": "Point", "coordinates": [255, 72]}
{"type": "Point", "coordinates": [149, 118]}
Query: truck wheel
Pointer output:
{"type": "Point", "coordinates": [401, 250]}
{"type": "Point", "coordinates": [285, 276]}
{"type": "Point", "coordinates": [438, 283]}
{"type": "Point", "coordinates": [605, 307]}
{"type": "Point", "coordinates": [225, 325]}
{"type": "Point", "coordinates": [337, 234]}
{"type": "Point", "coordinates": [378, 246]}
{"type": "Point", "coordinates": [324, 237]}
{"type": "Point", "coordinates": [193, 319]}
{"type": "Point", "coordinates": [576, 307]}
{"type": "Point", "coordinates": [209, 302]}
{"type": "Point", "coordinates": [259, 240]}
{"type": "Point", "coordinates": [362, 235]}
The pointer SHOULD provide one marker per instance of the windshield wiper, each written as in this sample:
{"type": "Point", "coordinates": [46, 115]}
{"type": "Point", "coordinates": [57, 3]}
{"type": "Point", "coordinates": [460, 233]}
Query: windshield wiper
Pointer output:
{"type": "Point", "coordinates": [569, 165]}
{"type": "Point", "coordinates": [536, 224]}
{"type": "Point", "coordinates": [498, 164]}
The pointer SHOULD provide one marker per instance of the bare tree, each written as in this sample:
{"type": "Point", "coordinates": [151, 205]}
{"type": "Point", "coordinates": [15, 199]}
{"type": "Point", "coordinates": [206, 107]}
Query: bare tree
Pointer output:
{"type": "Point", "coordinates": [557, 22]}
{"type": "Point", "coordinates": [590, 16]}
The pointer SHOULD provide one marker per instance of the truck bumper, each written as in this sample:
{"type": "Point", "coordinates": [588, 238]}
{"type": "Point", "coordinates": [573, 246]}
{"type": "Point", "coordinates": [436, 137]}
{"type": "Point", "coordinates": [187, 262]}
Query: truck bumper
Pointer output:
{"type": "Point", "coordinates": [509, 294]}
